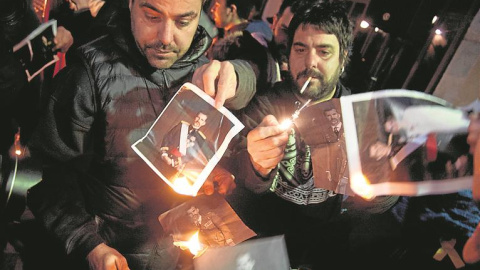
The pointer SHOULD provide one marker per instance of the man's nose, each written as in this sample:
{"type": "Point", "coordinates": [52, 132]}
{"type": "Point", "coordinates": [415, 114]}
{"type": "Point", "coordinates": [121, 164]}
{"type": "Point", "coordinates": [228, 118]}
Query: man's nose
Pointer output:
{"type": "Point", "coordinates": [165, 33]}
{"type": "Point", "coordinates": [311, 60]}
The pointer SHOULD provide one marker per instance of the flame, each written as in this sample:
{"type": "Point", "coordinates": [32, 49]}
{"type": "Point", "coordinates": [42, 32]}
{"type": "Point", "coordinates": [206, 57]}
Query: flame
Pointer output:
{"type": "Point", "coordinates": [361, 186]}
{"type": "Point", "coordinates": [182, 185]}
{"type": "Point", "coordinates": [286, 124]}
{"type": "Point", "coordinates": [16, 150]}
{"type": "Point", "coordinates": [193, 244]}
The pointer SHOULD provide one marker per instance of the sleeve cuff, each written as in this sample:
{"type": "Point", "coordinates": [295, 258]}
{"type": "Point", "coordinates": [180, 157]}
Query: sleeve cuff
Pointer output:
{"type": "Point", "coordinates": [246, 85]}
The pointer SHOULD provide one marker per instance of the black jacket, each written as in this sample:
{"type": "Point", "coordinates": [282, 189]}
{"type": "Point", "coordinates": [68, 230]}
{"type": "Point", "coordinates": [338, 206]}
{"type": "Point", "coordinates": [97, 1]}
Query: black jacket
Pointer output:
{"type": "Point", "coordinates": [95, 188]}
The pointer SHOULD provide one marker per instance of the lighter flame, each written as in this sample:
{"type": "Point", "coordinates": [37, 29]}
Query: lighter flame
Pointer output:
{"type": "Point", "coordinates": [286, 124]}
{"type": "Point", "coordinates": [193, 244]}
{"type": "Point", "coordinates": [182, 185]}
{"type": "Point", "coordinates": [361, 186]}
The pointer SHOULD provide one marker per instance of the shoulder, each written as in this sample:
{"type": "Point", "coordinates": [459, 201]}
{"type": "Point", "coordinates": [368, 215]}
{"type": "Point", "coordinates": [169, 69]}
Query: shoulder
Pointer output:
{"type": "Point", "coordinates": [342, 90]}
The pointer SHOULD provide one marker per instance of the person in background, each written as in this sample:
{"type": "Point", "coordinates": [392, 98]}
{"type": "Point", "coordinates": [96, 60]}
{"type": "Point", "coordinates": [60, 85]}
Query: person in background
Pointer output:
{"type": "Point", "coordinates": [280, 24]}
{"type": "Point", "coordinates": [98, 198]}
{"type": "Point", "coordinates": [238, 43]}
{"type": "Point", "coordinates": [84, 20]}
{"type": "Point", "coordinates": [259, 28]}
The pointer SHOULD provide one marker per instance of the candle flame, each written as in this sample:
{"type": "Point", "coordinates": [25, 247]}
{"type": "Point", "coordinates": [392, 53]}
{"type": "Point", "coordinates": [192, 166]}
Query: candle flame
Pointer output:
{"type": "Point", "coordinates": [361, 186]}
{"type": "Point", "coordinates": [193, 244]}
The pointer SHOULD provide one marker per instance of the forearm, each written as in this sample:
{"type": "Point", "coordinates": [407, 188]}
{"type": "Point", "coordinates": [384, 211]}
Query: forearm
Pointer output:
{"type": "Point", "coordinates": [58, 205]}
{"type": "Point", "coordinates": [246, 85]}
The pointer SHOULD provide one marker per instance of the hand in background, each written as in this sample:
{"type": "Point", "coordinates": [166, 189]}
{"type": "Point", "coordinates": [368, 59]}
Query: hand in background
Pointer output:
{"type": "Point", "coordinates": [63, 40]}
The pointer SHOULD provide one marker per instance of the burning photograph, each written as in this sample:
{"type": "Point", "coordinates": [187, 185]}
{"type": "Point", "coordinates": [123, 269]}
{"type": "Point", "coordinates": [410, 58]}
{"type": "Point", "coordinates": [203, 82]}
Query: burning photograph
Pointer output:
{"type": "Point", "coordinates": [321, 127]}
{"type": "Point", "coordinates": [407, 143]}
{"type": "Point", "coordinates": [187, 140]}
{"type": "Point", "coordinates": [203, 222]}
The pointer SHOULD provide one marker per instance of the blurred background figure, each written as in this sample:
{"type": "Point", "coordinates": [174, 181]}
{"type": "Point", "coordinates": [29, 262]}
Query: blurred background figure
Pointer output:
{"type": "Point", "coordinates": [237, 43]}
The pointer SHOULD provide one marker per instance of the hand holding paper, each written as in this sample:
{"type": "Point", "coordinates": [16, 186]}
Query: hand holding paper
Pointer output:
{"type": "Point", "coordinates": [217, 79]}
{"type": "Point", "coordinates": [225, 182]}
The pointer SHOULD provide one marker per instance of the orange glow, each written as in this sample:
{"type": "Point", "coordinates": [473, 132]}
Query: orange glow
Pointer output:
{"type": "Point", "coordinates": [181, 185]}
{"type": "Point", "coordinates": [361, 186]}
{"type": "Point", "coordinates": [193, 244]}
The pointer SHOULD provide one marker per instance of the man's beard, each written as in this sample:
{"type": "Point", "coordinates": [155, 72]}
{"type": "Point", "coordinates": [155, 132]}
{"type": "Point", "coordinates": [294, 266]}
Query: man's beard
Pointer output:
{"type": "Point", "coordinates": [316, 90]}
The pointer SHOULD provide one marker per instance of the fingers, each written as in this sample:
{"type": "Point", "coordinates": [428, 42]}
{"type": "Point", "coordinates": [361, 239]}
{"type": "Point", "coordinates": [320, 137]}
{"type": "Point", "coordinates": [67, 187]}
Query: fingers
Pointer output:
{"type": "Point", "coordinates": [227, 83]}
{"type": "Point", "coordinates": [266, 144]}
{"type": "Point", "coordinates": [208, 187]}
{"type": "Point", "coordinates": [224, 179]}
{"type": "Point", "coordinates": [63, 40]}
{"type": "Point", "coordinates": [226, 184]}
{"type": "Point", "coordinates": [121, 264]}
{"type": "Point", "coordinates": [103, 257]}
{"type": "Point", "coordinates": [217, 79]}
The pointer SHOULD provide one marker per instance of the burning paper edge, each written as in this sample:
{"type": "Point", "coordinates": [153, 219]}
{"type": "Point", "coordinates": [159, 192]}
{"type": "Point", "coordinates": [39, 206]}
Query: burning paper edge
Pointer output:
{"type": "Point", "coordinates": [193, 244]}
{"type": "Point", "coordinates": [234, 130]}
{"type": "Point", "coordinates": [181, 186]}
{"type": "Point", "coordinates": [426, 187]}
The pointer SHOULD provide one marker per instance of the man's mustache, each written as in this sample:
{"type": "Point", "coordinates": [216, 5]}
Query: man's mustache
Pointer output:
{"type": "Point", "coordinates": [160, 46]}
{"type": "Point", "coordinates": [310, 73]}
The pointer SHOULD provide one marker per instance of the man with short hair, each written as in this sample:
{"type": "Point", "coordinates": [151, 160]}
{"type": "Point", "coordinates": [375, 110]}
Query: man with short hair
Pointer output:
{"type": "Point", "coordinates": [97, 197]}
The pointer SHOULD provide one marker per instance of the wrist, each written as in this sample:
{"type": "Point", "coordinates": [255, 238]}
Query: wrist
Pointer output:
{"type": "Point", "coordinates": [259, 170]}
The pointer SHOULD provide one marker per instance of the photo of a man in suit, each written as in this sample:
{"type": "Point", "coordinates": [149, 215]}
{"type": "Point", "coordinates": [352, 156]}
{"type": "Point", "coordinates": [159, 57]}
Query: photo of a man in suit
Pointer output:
{"type": "Point", "coordinates": [185, 147]}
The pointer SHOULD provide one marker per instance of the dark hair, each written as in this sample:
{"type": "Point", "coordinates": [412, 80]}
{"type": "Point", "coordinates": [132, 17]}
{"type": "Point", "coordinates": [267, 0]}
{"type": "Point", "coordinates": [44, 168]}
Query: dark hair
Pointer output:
{"type": "Point", "coordinates": [330, 17]}
{"type": "Point", "coordinates": [284, 5]}
{"type": "Point", "coordinates": [244, 7]}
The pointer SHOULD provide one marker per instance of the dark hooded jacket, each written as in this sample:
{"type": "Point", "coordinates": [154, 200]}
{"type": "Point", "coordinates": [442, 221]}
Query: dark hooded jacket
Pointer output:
{"type": "Point", "coordinates": [95, 189]}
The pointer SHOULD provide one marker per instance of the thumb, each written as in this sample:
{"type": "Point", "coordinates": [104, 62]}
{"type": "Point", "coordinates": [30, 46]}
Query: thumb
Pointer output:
{"type": "Point", "coordinates": [208, 187]}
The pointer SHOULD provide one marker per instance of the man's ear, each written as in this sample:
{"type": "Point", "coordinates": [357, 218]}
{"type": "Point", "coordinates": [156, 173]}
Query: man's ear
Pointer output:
{"type": "Point", "coordinates": [233, 7]}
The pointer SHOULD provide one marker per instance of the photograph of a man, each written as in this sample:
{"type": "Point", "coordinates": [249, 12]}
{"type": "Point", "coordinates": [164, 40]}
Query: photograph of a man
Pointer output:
{"type": "Point", "coordinates": [185, 146]}
{"type": "Point", "coordinates": [211, 216]}
{"type": "Point", "coordinates": [187, 140]}
{"type": "Point", "coordinates": [214, 232]}
{"type": "Point", "coordinates": [324, 132]}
